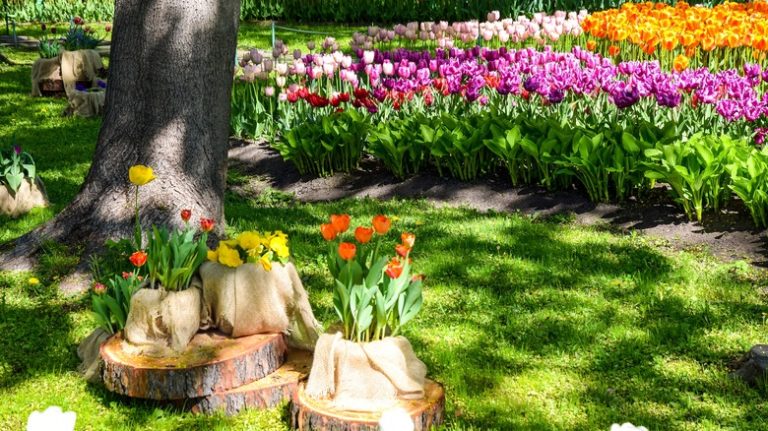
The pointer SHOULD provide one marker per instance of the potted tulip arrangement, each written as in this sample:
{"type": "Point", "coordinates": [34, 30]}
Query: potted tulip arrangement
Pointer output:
{"type": "Point", "coordinates": [367, 364]}
{"type": "Point", "coordinates": [164, 311]}
{"type": "Point", "coordinates": [20, 188]}
{"type": "Point", "coordinates": [250, 287]}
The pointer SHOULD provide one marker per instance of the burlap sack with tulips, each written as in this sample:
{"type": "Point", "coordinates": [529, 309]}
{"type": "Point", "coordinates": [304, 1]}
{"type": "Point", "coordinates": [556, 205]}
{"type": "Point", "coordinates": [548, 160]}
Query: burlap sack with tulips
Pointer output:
{"type": "Point", "coordinates": [369, 376]}
{"type": "Point", "coordinates": [162, 323]}
{"type": "Point", "coordinates": [86, 103]}
{"type": "Point", "coordinates": [366, 367]}
{"type": "Point", "coordinates": [45, 69]}
{"type": "Point", "coordinates": [79, 66]}
{"type": "Point", "coordinates": [30, 194]}
{"type": "Point", "coordinates": [249, 288]}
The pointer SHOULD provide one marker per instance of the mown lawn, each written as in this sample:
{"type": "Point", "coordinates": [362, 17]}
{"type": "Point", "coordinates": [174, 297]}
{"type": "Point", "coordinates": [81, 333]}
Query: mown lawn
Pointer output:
{"type": "Point", "coordinates": [531, 324]}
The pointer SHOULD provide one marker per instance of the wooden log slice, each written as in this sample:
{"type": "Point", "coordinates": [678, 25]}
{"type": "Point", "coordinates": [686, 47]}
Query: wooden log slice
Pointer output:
{"type": "Point", "coordinates": [213, 362]}
{"type": "Point", "coordinates": [320, 415]}
{"type": "Point", "coordinates": [268, 392]}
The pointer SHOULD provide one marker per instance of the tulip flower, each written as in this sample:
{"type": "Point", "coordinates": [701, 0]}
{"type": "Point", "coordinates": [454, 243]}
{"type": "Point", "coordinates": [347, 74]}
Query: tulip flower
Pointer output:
{"type": "Point", "coordinates": [340, 222]}
{"type": "Point", "coordinates": [206, 224]}
{"type": "Point", "coordinates": [186, 214]}
{"type": "Point", "coordinates": [99, 289]}
{"type": "Point", "coordinates": [138, 258]}
{"type": "Point", "coordinates": [381, 224]}
{"type": "Point", "coordinates": [328, 231]}
{"type": "Point", "coordinates": [408, 239]}
{"type": "Point", "coordinates": [140, 175]}
{"type": "Point", "coordinates": [394, 268]}
{"type": "Point", "coordinates": [347, 250]}
{"type": "Point", "coordinates": [363, 234]}
{"type": "Point", "coordinates": [402, 250]}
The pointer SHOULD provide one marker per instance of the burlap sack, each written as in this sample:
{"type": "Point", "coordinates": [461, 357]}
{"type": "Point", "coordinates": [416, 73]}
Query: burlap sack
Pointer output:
{"type": "Point", "coordinates": [86, 104]}
{"type": "Point", "coordinates": [365, 376]}
{"type": "Point", "coordinates": [88, 352]}
{"type": "Point", "coordinates": [79, 66]}
{"type": "Point", "coordinates": [249, 300]}
{"type": "Point", "coordinates": [161, 323]}
{"type": "Point", "coordinates": [44, 68]}
{"type": "Point", "coordinates": [29, 195]}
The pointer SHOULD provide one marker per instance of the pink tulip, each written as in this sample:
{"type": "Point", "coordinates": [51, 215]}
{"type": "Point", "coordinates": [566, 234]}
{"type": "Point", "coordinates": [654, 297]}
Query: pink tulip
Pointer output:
{"type": "Point", "coordinates": [269, 91]}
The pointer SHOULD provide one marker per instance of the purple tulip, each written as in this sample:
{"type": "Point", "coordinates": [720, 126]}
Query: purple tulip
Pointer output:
{"type": "Point", "coordinates": [17, 149]}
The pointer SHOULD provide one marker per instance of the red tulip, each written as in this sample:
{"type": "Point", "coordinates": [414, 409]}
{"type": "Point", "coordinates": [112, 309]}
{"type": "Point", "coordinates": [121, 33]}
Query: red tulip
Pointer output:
{"type": "Point", "coordinates": [402, 250]}
{"type": "Point", "coordinates": [206, 224]}
{"type": "Point", "coordinates": [186, 214]}
{"type": "Point", "coordinates": [138, 258]}
{"type": "Point", "coordinates": [99, 289]}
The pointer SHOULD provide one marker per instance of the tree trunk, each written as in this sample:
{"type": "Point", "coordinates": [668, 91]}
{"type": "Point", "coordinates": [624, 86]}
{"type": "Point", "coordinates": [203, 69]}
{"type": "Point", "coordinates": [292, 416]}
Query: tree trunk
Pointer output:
{"type": "Point", "coordinates": [167, 107]}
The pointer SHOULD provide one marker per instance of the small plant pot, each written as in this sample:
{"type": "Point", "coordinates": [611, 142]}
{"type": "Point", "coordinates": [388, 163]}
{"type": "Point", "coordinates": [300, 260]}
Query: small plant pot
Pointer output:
{"type": "Point", "coordinates": [161, 323]}
{"type": "Point", "coordinates": [250, 300]}
{"type": "Point", "coordinates": [365, 377]}
{"type": "Point", "coordinates": [31, 194]}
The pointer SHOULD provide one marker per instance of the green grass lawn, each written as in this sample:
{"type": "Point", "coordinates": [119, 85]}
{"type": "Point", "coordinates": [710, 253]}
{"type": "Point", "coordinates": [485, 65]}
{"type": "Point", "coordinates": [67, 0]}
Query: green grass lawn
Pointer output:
{"type": "Point", "coordinates": [531, 324]}
{"type": "Point", "coordinates": [251, 34]}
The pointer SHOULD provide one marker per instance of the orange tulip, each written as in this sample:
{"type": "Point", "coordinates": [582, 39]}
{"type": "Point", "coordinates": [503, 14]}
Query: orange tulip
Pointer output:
{"type": "Point", "coordinates": [347, 250]}
{"type": "Point", "coordinates": [591, 45]}
{"type": "Point", "coordinates": [363, 234]}
{"type": "Point", "coordinates": [381, 224]}
{"type": "Point", "coordinates": [328, 231]}
{"type": "Point", "coordinates": [613, 50]}
{"type": "Point", "coordinates": [402, 250]}
{"type": "Point", "coordinates": [681, 63]}
{"type": "Point", "coordinates": [394, 268]}
{"type": "Point", "coordinates": [340, 222]}
{"type": "Point", "coordinates": [408, 239]}
{"type": "Point", "coordinates": [138, 258]}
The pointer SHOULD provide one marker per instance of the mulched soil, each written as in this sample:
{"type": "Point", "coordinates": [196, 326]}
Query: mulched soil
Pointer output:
{"type": "Point", "coordinates": [729, 234]}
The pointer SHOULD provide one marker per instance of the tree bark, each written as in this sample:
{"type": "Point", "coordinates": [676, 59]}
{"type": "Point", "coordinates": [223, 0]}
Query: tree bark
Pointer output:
{"type": "Point", "coordinates": [167, 107]}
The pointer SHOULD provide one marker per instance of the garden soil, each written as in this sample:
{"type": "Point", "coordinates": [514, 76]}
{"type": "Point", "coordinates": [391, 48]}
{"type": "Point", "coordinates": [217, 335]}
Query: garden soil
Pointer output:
{"type": "Point", "coordinates": [729, 235]}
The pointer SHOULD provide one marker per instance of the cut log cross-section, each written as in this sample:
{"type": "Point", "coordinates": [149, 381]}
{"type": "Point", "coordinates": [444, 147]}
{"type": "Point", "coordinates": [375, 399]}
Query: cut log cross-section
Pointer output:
{"type": "Point", "coordinates": [276, 388]}
{"type": "Point", "coordinates": [319, 415]}
{"type": "Point", "coordinates": [212, 363]}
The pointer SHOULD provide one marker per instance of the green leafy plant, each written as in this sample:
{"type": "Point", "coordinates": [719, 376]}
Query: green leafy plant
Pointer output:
{"type": "Point", "coordinates": [749, 181]}
{"type": "Point", "coordinates": [173, 257]}
{"type": "Point", "coordinates": [15, 166]}
{"type": "Point", "coordinates": [374, 294]}
{"type": "Point", "coordinates": [506, 141]}
{"type": "Point", "coordinates": [457, 145]}
{"type": "Point", "coordinates": [111, 302]}
{"type": "Point", "coordinates": [334, 143]}
{"type": "Point", "coordinates": [401, 144]}
{"type": "Point", "coordinates": [80, 36]}
{"type": "Point", "coordinates": [695, 169]}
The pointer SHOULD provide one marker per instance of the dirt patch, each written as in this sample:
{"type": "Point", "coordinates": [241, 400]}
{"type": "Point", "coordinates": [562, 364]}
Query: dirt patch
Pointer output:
{"type": "Point", "coordinates": [729, 234]}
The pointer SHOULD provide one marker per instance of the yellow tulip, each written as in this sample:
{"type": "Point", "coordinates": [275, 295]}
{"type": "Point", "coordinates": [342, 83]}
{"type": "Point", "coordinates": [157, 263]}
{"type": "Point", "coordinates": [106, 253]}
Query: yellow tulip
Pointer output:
{"type": "Point", "coordinates": [213, 255]}
{"type": "Point", "coordinates": [249, 240]}
{"type": "Point", "coordinates": [279, 246]}
{"type": "Point", "coordinates": [266, 262]}
{"type": "Point", "coordinates": [140, 174]}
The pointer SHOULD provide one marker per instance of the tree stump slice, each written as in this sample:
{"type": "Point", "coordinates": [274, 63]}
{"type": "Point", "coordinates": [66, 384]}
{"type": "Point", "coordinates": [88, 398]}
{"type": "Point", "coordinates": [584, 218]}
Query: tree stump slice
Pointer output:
{"type": "Point", "coordinates": [268, 392]}
{"type": "Point", "coordinates": [213, 362]}
{"type": "Point", "coordinates": [309, 414]}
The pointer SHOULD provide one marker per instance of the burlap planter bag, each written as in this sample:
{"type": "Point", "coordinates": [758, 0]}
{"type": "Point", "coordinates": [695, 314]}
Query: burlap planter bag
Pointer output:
{"type": "Point", "coordinates": [86, 103]}
{"type": "Point", "coordinates": [31, 194]}
{"type": "Point", "coordinates": [161, 323]}
{"type": "Point", "coordinates": [250, 300]}
{"type": "Point", "coordinates": [45, 69]}
{"type": "Point", "coordinates": [79, 66]}
{"type": "Point", "coordinates": [365, 377]}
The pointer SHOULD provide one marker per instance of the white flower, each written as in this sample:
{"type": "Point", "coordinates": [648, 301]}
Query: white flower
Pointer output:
{"type": "Point", "coordinates": [627, 427]}
{"type": "Point", "coordinates": [396, 419]}
{"type": "Point", "coordinates": [52, 419]}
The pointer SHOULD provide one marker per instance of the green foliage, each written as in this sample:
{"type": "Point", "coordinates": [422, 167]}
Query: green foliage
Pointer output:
{"type": "Point", "coordinates": [15, 166]}
{"type": "Point", "coordinates": [749, 181]}
{"type": "Point", "coordinates": [114, 260]}
{"type": "Point", "coordinates": [80, 37]}
{"type": "Point", "coordinates": [112, 302]}
{"type": "Point", "coordinates": [61, 10]}
{"type": "Point", "coordinates": [401, 144]}
{"type": "Point", "coordinates": [456, 144]}
{"type": "Point", "coordinates": [327, 145]}
{"type": "Point", "coordinates": [49, 48]}
{"type": "Point", "coordinates": [173, 257]}
{"type": "Point", "coordinates": [695, 170]}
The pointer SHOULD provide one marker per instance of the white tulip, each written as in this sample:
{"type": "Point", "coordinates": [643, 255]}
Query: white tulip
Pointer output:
{"type": "Point", "coordinates": [52, 419]}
